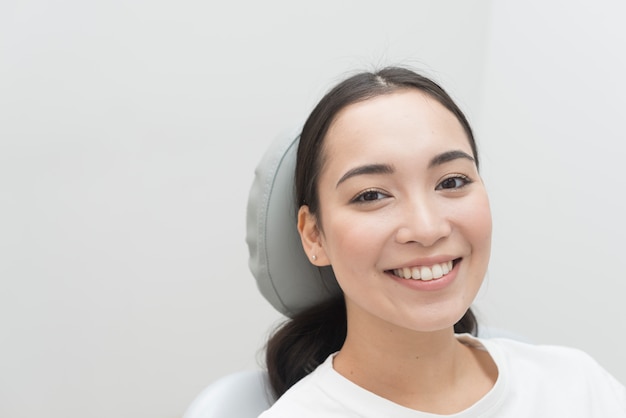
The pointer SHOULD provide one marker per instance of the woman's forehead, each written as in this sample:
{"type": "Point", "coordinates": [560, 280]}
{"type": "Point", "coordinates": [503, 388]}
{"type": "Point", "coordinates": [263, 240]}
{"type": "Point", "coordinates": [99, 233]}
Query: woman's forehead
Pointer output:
{"type": "Point", "coordinates": [408, 118]}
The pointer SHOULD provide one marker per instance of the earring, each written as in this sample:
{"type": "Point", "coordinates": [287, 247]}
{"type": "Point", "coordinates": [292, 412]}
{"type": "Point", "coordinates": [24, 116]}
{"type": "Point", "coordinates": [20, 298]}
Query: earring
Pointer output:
{"type": "Point", "coordinates": [314, 257]}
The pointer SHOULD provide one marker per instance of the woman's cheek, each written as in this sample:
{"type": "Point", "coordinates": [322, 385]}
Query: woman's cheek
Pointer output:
{"type": "Point", "coordinates": [480, 221]}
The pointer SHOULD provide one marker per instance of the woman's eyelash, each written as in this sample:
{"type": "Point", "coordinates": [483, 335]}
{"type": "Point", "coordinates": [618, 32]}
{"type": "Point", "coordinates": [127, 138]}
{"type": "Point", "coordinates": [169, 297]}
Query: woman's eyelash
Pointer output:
{"type": "Point", "coordinates": [371, 195]}
{"type": "Point", "coordinates": [454, 182]}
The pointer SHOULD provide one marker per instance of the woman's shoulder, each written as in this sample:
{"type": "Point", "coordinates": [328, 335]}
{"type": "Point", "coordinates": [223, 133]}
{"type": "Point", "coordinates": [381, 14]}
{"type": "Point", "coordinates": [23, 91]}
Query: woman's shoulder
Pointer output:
{"type": "Point", "coordinates": [307, 397]}
{"type": "Point", "coordinates": [569, 370]}
{"type": "Point", "coordinates": [540, 378]}
{"type": "Point", "coordinates": [517, 349]}
{"type": "Point", "coordinates": [543, 356]}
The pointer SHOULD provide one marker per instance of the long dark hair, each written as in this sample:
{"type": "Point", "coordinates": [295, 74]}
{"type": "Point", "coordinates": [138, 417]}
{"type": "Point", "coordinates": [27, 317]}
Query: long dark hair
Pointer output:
{"type": "Point", "coordinates": [307, 339]}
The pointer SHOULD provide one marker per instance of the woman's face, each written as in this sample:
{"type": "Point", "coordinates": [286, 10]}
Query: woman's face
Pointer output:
{"type": "Point", "coordinates": [404, 217]}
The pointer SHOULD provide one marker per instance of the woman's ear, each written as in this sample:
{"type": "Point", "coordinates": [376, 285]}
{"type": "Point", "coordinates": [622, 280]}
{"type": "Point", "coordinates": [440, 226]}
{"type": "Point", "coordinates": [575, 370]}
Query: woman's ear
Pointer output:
{"type": "Point", "coordinates": [311, 237]}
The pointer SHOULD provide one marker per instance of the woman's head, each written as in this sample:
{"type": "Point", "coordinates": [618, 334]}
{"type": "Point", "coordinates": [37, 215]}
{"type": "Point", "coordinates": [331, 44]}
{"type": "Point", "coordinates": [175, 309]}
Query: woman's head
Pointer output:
{"type": "Point", "coordinates": [391, 198]}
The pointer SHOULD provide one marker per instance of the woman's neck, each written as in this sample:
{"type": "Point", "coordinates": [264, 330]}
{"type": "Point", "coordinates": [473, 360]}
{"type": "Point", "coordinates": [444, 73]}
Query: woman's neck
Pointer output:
{"type": "Point", "coordinates": [428, 371]}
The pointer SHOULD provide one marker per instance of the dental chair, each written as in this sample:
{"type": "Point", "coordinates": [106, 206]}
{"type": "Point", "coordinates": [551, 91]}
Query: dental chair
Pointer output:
{"type": "Point", "coordinates": [284, 276]}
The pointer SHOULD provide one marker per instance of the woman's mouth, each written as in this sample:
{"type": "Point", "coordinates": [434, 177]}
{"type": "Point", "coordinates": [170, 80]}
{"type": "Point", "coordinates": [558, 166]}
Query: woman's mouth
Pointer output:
{"type": "Point", "coordinates": [425, 273]}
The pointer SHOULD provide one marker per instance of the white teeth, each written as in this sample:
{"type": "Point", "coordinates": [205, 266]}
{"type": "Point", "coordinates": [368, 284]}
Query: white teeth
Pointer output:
{"type": "Point", "coordinates": [426, 273]}
{"type": "Point", "coordinates": [407, 272]}
{"type": "Point", "coordinates": [435, 271]}
{"type": "Point", "coordinates": [415, 273]}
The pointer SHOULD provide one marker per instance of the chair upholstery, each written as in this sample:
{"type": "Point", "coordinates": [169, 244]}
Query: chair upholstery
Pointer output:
{"type": "Point", "coordinates": [239, 395]}
{"type": "Point", "coordinates": [284, 275]}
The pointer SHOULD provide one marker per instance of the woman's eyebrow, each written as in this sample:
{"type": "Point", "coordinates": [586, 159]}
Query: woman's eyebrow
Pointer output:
{"type": "Point", "coordinates": [366, 169]}
{"type": "Point", "coordinates": [449, 156]}
{"type": "Point", "coordinates": [388, 169]}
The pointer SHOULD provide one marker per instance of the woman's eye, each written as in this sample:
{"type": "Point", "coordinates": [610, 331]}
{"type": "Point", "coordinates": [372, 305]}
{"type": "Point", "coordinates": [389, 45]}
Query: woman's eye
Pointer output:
{"type": "Point", "coordinates": [455, 182]}
{"type": "Point", "coordinates": [369, 196]}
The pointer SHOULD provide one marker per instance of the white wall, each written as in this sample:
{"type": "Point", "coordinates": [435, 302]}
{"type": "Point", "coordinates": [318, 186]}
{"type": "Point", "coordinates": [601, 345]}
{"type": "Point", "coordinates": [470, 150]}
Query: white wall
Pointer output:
{"type": "Point", "coordinates": [129, 131]}
{"type": "Point", "coordinates": [554, 151]}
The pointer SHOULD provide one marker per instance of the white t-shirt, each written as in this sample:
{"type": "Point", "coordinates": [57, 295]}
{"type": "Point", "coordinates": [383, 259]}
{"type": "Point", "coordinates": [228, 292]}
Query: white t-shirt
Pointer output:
{"type": "Point", "coordinates": [533, 381]}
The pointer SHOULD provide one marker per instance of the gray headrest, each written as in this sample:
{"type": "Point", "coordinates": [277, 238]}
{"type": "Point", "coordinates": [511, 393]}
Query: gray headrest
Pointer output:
{"type": "Point", "coordinates": [282, 270]}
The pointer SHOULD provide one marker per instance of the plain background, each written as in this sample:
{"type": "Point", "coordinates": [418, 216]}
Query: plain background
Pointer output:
{"type": "Point", "coordinates": [129, 132]}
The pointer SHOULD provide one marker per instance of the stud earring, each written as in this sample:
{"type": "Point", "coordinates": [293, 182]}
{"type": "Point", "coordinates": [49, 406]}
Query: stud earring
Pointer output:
{"type": "Point", "coordinates": [314, 257]}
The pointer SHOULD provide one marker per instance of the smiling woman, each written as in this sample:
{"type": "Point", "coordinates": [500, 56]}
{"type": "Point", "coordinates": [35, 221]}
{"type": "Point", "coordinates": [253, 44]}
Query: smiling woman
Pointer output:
{"type": "Point", "coordinates": [390, 197]}
{"type": "Point", "coordinates": [399, 215]}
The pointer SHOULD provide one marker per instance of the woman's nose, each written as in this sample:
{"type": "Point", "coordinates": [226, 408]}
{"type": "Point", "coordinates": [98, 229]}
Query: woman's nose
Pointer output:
{"type": "Point", "coordinates": [424, 224]}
